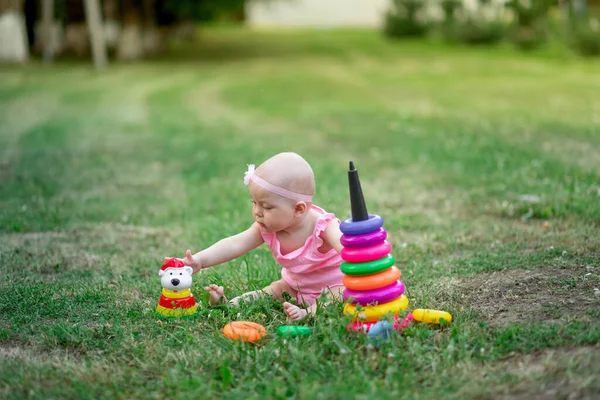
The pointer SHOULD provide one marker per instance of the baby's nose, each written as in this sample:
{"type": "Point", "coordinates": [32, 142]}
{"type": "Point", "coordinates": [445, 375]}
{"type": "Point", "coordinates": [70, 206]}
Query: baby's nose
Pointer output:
{"type": "Point", "coordinates": [175, 282]}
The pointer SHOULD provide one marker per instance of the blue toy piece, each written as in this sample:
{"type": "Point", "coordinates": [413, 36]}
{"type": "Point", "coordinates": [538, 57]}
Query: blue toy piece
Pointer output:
{"type": "Point", "coordinates": [380, 332]}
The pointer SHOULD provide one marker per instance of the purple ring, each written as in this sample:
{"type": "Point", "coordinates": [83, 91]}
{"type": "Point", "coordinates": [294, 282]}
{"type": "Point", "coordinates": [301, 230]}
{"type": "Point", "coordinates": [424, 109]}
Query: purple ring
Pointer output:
{"type": "Point", "coordinates": [351, 227]}
{"type": "Point", "coordinates": [381, 295]}
{"type": "Point", "coordinates": [364, 240]}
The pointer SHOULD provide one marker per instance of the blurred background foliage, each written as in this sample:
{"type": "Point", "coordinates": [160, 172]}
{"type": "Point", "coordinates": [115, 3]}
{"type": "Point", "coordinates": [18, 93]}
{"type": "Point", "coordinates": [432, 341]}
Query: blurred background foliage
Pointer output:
{"type": "Point", "coordinates": [528, 24]}
{"type": "Point", "coordinates": [134, 29]}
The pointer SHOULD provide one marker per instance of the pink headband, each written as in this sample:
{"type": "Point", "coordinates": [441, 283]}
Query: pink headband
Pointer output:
{"type": "Point", "coordinates": [251, 176]}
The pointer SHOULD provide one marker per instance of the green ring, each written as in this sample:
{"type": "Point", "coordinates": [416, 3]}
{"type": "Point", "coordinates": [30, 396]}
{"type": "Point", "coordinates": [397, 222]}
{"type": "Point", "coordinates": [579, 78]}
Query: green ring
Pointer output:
{"type": "Point", "coordinates": [367, 268]}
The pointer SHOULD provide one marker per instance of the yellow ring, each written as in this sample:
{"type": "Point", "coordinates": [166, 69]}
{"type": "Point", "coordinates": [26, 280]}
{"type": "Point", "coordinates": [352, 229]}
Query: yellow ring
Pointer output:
{"type": "Point", "coordinates": [176, 312]}
{"type": "Point", "coordinates": [373, 313]}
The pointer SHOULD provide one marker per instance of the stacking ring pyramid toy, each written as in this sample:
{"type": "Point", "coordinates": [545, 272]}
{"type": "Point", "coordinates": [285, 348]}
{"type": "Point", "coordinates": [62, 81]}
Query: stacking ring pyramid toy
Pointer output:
{"type": "Point", "coordinates": [370, 276]}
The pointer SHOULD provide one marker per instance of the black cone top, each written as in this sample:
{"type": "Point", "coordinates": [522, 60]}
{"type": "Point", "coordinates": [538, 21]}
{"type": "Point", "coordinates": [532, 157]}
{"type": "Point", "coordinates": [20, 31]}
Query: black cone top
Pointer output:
{"type": "Point", "coordinates": [357, 200]}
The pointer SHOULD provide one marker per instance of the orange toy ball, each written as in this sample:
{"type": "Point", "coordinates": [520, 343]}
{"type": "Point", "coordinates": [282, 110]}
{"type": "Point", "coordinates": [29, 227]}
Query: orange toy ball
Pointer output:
{"type": "Point", "coordinates": [245, 331]}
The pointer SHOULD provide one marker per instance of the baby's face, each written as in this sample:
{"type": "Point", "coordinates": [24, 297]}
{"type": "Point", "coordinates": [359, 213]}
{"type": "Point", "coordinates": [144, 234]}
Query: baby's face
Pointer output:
{"type": "Point", "coordinates": [271, 211]}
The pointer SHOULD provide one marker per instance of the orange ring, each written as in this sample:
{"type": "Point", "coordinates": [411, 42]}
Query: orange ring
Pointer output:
{"type": "Point", "coordinates": [245, 331]}
{"type": "Point", "coordinates": [374, 281]}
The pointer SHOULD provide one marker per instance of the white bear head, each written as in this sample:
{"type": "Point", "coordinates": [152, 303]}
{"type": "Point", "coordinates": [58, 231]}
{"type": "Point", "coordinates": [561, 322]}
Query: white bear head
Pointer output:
{"type": "Point", "coordinates": [176, 276]}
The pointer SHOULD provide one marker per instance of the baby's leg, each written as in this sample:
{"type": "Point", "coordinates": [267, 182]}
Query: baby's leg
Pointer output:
{"type": "Point", "coordinates": [275, 290]}
{"type": "Point", "coordinates": [296, 313]}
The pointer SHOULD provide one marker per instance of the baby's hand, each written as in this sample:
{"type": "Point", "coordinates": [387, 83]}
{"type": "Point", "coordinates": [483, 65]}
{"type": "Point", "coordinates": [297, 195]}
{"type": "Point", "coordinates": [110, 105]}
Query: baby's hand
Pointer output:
{"type": "Point", "coordinates": [190, 260]}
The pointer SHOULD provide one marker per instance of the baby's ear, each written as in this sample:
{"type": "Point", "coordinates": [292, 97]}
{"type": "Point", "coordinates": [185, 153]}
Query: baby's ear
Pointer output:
{"type": "Point", "coordinates": [188, 269]}
{"type": "Point", "coordinates": [301, 207]}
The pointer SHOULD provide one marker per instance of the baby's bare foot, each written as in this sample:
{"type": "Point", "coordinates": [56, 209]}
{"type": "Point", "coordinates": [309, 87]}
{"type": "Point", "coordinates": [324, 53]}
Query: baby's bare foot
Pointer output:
{"type": "Point", "coordinates": [294, 313]}
{"type": "Point", "coordinates": [216, 294]}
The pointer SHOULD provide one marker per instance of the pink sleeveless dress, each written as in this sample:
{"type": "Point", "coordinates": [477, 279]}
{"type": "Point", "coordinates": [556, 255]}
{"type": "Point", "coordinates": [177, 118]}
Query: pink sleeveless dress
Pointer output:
{"type": "Point", "coordinates": [306, 269]}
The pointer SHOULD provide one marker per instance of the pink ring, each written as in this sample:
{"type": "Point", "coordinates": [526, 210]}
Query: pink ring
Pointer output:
{"type": "Point", "coordinates": [366, 326]}
{"type": "Point", "coordinates": [364, 240]}
{"type": "Point", "coordinates": [366, 254]}
{"type": "Point", "coordinates": [381, 295]}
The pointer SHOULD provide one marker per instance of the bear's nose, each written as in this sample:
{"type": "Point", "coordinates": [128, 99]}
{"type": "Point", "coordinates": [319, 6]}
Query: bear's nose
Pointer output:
{"type": "Point", "coordinates": [175, 282]}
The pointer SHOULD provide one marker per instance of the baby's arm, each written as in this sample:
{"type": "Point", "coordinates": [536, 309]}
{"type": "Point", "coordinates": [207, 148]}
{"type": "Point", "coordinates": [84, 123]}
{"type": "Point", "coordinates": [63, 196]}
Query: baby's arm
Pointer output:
{"type": "Point", "coordinates": [333, 235]}
{"type": "Point", "coordinates": [225, 249]}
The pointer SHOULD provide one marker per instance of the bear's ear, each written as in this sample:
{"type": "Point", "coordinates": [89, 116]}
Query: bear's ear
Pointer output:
{"type": "Point", "coordinates": [161, 273]}
{"type": "Point", "coordinates": [188, 269]}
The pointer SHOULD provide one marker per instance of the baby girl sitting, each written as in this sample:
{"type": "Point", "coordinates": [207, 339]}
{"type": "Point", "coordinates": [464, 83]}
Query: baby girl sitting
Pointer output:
{"type": "Point", "coordinates": [304, 239]}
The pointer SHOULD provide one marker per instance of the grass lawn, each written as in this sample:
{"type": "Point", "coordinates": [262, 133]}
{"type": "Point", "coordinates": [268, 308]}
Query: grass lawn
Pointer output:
{"type": "Point", "coordinates": [485, 165]}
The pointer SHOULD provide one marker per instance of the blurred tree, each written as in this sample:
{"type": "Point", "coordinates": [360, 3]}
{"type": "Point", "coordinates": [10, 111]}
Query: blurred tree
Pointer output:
{"type": "Point", "coordinates": [131, 28]}
{"type": "Point", "coordinates": [450, 9]}
{"type": "Point", "coordinates": [140, 20]}
{"type": "Point", "coordinates": [199, 10]}
{"type": "Point", "coordinates": [579, 6]}
{"type": "Point", "coordinates": [529, 26]}
{"type": "Point", "coordinates": [584, 26]}
{"type": "Point", "coordinates": [405, 18]}
{"type": "Point", "coordinates": [13, 32]}
{"type": "Point", "coordinates": [94, 23]}
{"type": "Point", "coordinates": [481, 25]}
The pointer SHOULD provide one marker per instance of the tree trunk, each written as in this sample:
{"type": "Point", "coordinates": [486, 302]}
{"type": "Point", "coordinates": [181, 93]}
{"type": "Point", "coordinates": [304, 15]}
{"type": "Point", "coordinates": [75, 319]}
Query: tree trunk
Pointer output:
{"type": "Point", "coordinates": [151, 39]}
{"type": "Point", "coordinates": [130, 46]}
{"type": "Point", "coordinates": [47, 16]}
{"type": "Point", "coordinates": [112, 25]}
{"type": "Point", "coordinates": [14, 46]}
{"type": "Point", "coordinates": [94, 23]}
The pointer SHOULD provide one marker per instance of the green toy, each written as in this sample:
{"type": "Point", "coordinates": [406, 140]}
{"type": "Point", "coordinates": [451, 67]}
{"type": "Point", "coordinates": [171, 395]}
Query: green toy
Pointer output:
{"type": "Point", "coordinates": [294, 331]}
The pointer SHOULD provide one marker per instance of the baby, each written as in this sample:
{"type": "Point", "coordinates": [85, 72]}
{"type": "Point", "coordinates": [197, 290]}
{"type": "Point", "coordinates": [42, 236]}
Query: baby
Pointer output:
{"type": "Point", "coordinates": [304, 239]}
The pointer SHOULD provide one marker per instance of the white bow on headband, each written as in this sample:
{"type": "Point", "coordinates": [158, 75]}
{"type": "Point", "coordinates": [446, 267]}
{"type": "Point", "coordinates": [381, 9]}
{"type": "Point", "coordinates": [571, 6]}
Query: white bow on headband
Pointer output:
{"type": "Point", "coordinates": [248, 174]}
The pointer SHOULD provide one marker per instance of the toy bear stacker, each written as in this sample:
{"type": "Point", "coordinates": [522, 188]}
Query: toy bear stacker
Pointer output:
{"type": "Point", "coordinates": [176, 298]}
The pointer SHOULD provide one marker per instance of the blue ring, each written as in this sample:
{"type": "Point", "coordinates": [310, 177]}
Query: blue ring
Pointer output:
{"type": "Point", "coordinates": [348, 227]}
